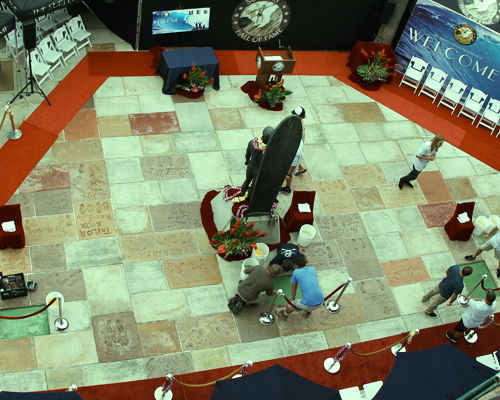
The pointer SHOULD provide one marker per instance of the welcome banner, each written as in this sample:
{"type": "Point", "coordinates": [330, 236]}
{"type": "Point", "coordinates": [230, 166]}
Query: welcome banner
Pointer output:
{"type": "Point", "coordinates": [462, 48]}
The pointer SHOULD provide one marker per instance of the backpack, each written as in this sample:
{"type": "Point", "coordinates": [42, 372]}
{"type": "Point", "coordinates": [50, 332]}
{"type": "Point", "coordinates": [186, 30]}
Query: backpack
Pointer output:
{"type": "Point", "coordinates": [236, 304]}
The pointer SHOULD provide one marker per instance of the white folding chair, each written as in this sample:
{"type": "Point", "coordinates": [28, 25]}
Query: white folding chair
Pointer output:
{"type": "Point", "coordinates": [371, 389]}
{"type": "Point", "coordinates": [61, 16]}
{"type": "Point", "coordinates": [44, 25]}
{"type": "Point", "coordinates": [352, 393]}
{"type": "Point", "coordinates": [78, 32]}
{"type": "Point", "coordinates": [64, 44]}
{"type": "Point", "coordinates": [414, 73]}
{"type": "Point", "coordinates": [453, 94]}
{"type": "Point", "coordinates": [490, 360]}
{"type": "Point", "coordinates": [491, 116]}
{"type": "Point", "coordinates": [433, 83]}
{"type": "Point", "coordinates": [41, 70]}
{"type": "Point", "coordinates": [49, 53]}
{"type": "Point", "coordinates": [473, 104]}
{"type": "Point", "coordinates": [14, 45]}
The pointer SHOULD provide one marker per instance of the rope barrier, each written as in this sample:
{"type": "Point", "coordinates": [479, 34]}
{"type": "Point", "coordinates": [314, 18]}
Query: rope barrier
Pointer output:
{"type": "Point", "coordinates": [382, 350]}
{"type": "Point", "coordinates": [335, 291]}
{"type": "Point", "coordinates": [290, 302]}
{"type": "Point", "coordinates": [32, 314]}
{"type": "Point", "coordinates": [486, 289]}
{"type": "Point", "coordinates": [209, 383]}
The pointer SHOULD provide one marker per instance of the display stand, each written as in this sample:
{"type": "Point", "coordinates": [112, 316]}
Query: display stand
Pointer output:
{"type": "Point", "coordinates": [273, 62]}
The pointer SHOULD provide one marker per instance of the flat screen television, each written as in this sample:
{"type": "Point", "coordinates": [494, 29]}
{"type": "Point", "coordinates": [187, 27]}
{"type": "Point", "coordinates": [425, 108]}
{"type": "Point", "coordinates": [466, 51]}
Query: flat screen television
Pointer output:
{"type": "Point", "coordinates": [173, 21]}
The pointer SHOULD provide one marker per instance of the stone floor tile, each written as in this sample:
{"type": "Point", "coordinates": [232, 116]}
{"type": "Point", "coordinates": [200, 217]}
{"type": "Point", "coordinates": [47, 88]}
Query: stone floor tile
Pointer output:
{"type": "Point", "coordinates": [493, 203]}
{"type": "Point", "coordinates": [124, 170]}
{"type": "Point", "coordinates": [195, 142]}
{"type": "Point", "coordinates": [154, 123]}
{"type": "Point", "coordinates": [226, 118]}
{"type": "Point", "coordinates": [330, 114]}
{"type": "Point", "coordinates": [419, 321]}
{"type": "Point", "coordinates": [461, 188]}
{"type": "Point", "coordinates": [137, 85]}
{"type": "Point", "coordinates": [178, 190]}
{"type": "Point", "coordinates": [113, 86]}
{"type": "Point", "coordinates": [192, 271]}
{"type": "Point", "coordinates": [437, 264]}
{"type": "Point", "coordinates": [136, 194]}
{"type": "Point", "coordinates": [395, 198]}
{"type": "Point", "coordinates": [82, 126]}
{"type": "Point", "coordinates": [363, 175]}
{"type": "Point", "coordinates": [28, 381]}
{"type": "Point", "coordinates": [155, 103]}
{"type": "Point", "coordinates": [313, 134]}
{"type": "Point", "coordinates": [107, 290]}
{"type": "Point", "coordinates": [455, 167]}
{"type": "Point", "coordinates": [321, 164]}
{"type": "Point", "coordinates": [335, 197]}
{"type": "Point", "coordinates": [70, 349]}
{"type": "Point", "coordinates": [256, 351]}
{"type": "Point", "coordinates": [146, 276]}
{"type": "Point", "coordinates": [155, 145]}
{"type": "Point", "coordinates": [353, 95]}
{"type": "Point", "coordinates": [409, 298]}
{"type": "Point", "coordinates": [393, 170]}
{"type": "Point", "coordinates": [339, 133]}
{"type": "Point", "coordinates": [170, 217]}
{"type": "Point", "coordinates": [187, 123]}
{"type": "Point", "coordinates": [434, 187]}
{"type": "Point", "coordinates": [204, 300]}
{"type": "Point", "coordinates": [359, 257]}
{"type": "Point", "coordinates": [203, 165]}
{"type": "Point", "coordinates": [158, 338]}
{"type": "Point", "coordinates": [381, 151]}
{"type": "Point", "coordinates": [76, 312]}
{"type": "Point", "coordinates": [401, 129]}
{"type": "Point", "coordinates": [14, 261]}
{"type": "Point", "coordinates": [88, 149]}
{"type": "Point", "coordinates": [230, 272]}
{"type": "Point", "coordinates": [229, 98]}
{"type": "Point", "coordinates": [367, 199]}
{"type": "Point", "coordinates": [330, 279]}
{"type": "Point", "coordinates": [341, 226]}
{"type": "Point", "coordinates": [324, 255]}
{"type": "Point", "coordinates": [206, 359]}
{"type": "Point", "coordinates": [234, 139]}
{"type": "Point", "coordinates": [63, 378]}
{"type": "Point", "coordinates": [114, 126]}
{"type": "Point", "coordinates": [114, 372]}
{"type": "Point", "coordinates": [49, 229]}
{"type": "Point", "coordinates": [56, 201]}
{"type": "Point", "coordinates": [389, 246]}
{"type": "Point", "coordinates": [247, 322]}
{"type": "Point", "coordinates": [202, 242]}
{"type": "Point", "coordinates": [194, 335]}
{"type": "Point", "coordinates": [17, 355]}
{"type": "Point", "coordinates": [380, 221]}
{"type": "Point", "coordinates": [481, 168]}
{"type": "Point", "coordinates": [459, 249]}
{"type": "Point", "coordinates": [235, 161]}
{"type": "Point", "coordinates": [116, 105]}
{"type": "Point", "coordinates": [46, 177]}
{"type": "Point", "coordinates": [69, 283]}
{"type": "Point", "coordinates": [347, 154]}
{"type": "Point", "coordinates": [256, 117]}
{"type": "Point", "coordinates": [352, 313]}
{"type": "Point", "coordinates": [312, 80]}
{"type": "Point", "coordinates": [450, 314]}
{"type": "Point", "coordinates": [409, 218]}
{"type": "Point", "coordinates": [116, 337]}
{"type": "Point", "coordinates": [159, 366]}
{"type": "Point", "coordinates": [89, 180]}
{"type": "Point", "coordinates": [361, 112]}
{"type": "Point", "coordinates": [377, 299]}
{"type": "Point", "coordinates": [337, 337]}
{"type": "Point", "coordinates": [326, 95]}
{"type": "Point", "coordinates": [405, 271]}
{"type": "Point", "coordinates": [421, 242]}
{"type": "Point", "coordinates": [437, 214]}
{"type": "Point", "coordinates": [121, 147]}
{"type": "Point", "coordinates": [159, 305]}
{"type": "Point", "coordinates": [172, 166]}
{"type": "Point", "coordinates": [132, 220]}
{"type": "Point", "coordinates": [26, 202]}
{"type": "Point", "coordinates": [92, 253]}
{"type": "Point", "coordinates": [15, 302]}
{"type": "Point", "coordinates": [305, 343]}
{"type": "Point", "coordinates": [486, 185]}
{"type": "Point", "coordinates": [369, 131]}
{"type": "Point", "coordinates": [94, 220]}
{"type": "Point", "coordinates": [379, 329]}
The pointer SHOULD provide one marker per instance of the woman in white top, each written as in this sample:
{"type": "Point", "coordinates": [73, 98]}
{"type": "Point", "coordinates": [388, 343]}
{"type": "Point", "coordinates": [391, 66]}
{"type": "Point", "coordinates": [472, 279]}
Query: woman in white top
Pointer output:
{"type": "Point", "coordinates": [426, 153]}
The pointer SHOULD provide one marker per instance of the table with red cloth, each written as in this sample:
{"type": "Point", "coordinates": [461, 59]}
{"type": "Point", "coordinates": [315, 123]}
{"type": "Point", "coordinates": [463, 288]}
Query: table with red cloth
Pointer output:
{"type": "Point", "coordinates": [457, 230]}
{"type": "Point", "coordinates": [14, 240]}
{"type": "Point", "coordinates": [356, 57]}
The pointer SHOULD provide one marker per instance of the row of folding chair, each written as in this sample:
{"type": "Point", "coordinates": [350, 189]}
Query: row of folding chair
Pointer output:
{"type": "Point", "coordinates": [453, 93]}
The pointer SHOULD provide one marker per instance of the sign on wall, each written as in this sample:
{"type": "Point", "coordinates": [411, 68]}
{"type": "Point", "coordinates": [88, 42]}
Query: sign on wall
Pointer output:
{"type": "Point", "coordinates": [462, 48]}
{"type": "Point", "coordinates": [173, 21]}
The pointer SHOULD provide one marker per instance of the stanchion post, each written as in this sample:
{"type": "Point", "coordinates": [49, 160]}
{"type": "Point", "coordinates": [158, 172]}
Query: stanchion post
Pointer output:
{"type": "Point", "coordinates": [61, 323]}
{"type": "Point", "coordinates": [333, 307]}
{"type": "Point", "coordinates": [244, 370]}
{"type": "Point", "coordinates": [400, 347]}
{"type": "Point", "coordinates": [471, 336]}
{"type": "Point", "coordinates": [332, 364]}
{"type": "Point", "coordinates": [165, 392]}
{"type": "Point", "coordinates": [267, 318]}
{"type": "Point", "coordinates": [463, 300]}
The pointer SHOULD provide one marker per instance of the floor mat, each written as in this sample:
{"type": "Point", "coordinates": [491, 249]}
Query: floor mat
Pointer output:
{"type": "Point", "coordinates": [283, 282]}
{"type": "Point", "coordinates": [470, 281]}
{"type": "Point", "coordinates": [36, 325]}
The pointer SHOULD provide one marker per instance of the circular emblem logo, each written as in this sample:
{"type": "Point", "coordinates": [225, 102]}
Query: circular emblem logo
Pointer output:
{"type": "Point", "coordinates": [260, 20]}
{"type": "Point", "coordinates": [485, 12]}
{"type": "Point", "coordinates": [465, 34]}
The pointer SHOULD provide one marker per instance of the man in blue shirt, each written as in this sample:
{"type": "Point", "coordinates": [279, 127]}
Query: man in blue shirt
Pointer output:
{"type": "Point", "coordinates": [306, 278]}
{"type": "Point", "coordinates": [449, 288]}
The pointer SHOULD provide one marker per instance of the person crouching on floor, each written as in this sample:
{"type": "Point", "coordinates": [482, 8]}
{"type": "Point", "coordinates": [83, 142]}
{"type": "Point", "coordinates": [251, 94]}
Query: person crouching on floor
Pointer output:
{"type": "Point", "coordinates": [259, 280]}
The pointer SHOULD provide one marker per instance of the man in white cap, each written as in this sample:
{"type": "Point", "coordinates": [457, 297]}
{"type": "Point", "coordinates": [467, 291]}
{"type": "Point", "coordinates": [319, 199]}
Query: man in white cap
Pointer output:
{"type": "Point", "coordinates": [301, 113]}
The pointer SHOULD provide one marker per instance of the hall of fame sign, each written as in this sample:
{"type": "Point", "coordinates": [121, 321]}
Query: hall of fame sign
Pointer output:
{"type": "Point", "coordinates": [485, 12]}
{"type": "Point", "coordinates": [260, 20]}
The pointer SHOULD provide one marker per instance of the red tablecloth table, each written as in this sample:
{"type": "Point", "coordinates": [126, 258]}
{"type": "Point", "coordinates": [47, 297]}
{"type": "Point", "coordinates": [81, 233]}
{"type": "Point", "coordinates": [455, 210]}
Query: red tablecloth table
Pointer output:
{"type": "Point", "coordinates": [14, 239]}
{"type": "Point", "coordinates": [454, 228]}
{"type": "Point", "coordinates": [294, 219]}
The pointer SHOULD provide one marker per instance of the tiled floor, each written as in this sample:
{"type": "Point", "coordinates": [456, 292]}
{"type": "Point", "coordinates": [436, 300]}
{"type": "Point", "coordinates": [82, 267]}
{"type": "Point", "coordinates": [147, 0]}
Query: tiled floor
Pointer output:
{"type": "Point", "coordinates": [111, 220]}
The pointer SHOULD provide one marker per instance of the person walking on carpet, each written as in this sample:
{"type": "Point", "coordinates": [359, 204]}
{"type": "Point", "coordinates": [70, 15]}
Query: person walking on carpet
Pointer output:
{"type": "Point", "coordinates": [426, 153]}
{"type": "Point", "coordinates": [448, 289]}
{"type": "Point", "coordinates": [492, 243]}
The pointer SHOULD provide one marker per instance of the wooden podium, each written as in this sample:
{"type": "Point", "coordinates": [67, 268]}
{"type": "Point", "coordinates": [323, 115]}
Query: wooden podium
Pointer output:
{"type": "Point", "coordinates": [273, 62]}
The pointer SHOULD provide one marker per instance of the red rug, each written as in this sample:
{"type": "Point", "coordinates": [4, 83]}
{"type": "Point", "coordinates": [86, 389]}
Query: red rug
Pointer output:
{"type": "Point", "coordinates": [355, 370]}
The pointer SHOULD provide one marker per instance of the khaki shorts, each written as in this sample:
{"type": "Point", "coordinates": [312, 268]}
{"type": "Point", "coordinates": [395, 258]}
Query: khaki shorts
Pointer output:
{"type": "Point", "coordinates": [488, 246]}
{"type": "Point", "coordinates": [298, 303]}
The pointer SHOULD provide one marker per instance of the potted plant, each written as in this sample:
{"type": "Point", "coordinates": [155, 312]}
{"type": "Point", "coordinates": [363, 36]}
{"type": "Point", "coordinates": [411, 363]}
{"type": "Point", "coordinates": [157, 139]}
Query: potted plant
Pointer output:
{"type": "Point", "coordinates": [194, 82]}
{"type": "Point", "coordinates": [237, 242]}
{"type": "Point", "coordinates": [271, 96]}
{"type": "Point", "coordinates": [378, 68]}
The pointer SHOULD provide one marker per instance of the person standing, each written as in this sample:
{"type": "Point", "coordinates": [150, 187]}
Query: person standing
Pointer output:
{"type": "Point", "coordinates": [476, 313]}
{"type": "Point", "coordinates": [306, 278]}
{"type": "Point", "coordinates": [286, 255]}
{"type": "Point", "coordinates": [259, 280]}
{"type": "Point", "coordinates": [448, 289]}
{"type": "Point", "coordinates": [492, 243]}
{"type": "Point", "coordinates": [426, 153]}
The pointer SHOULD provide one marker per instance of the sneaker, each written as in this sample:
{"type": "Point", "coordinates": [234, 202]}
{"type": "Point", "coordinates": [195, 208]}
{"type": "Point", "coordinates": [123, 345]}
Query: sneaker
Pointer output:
{"type": "Point", "coordinates": [430, 314]}
{"type": "Point", "coordinates": [451, 337]}
{"type": "Point", "coordinates": [470, 258]}
{"type": "Point", "coordinates": [286, 190]}
{"type": "Point", "coordinates": [409, 184]}
{"type": "Point", "coordinates": [400, 185]}
{"type": "Point", "coordinates": [498, 273]}
{"type": "Point", "coordinates": [300, 172]}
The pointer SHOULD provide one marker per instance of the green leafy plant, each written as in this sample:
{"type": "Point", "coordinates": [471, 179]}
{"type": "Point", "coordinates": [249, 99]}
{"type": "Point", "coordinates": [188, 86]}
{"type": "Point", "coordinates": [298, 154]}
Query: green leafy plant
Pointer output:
{"type": "Point", "coordinates": [272, 94]}
{"type": "Point", "coordinates": [377, 68]}
{"type": "Point", "coordinates": [195, 79]}
{"type": "Point", "coordinates": [238, 240]}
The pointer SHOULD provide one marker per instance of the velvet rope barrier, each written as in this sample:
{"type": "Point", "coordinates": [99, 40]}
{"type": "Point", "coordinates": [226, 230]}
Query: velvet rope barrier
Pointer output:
{"type": "Point", "coordinates": [486, 289]}
{"type": "Point", "coordinates": [335, 291]}
{"type": "Point", "coordinates": [213, 382]}
{"type": "Point", "coordinates": [32, 314]}
{"type": "Point", "coordinates": [290, 303]}
{"type": "Point", "coordinates": [408, 338]}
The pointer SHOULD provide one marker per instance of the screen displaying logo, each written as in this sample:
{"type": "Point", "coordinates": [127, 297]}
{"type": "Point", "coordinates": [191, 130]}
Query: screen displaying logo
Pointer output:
{"type": "Point", "coordinates": [486, 12]}
{"type": "Point", "coordinates": [464, 34]}
{"type": "Point", "coordinates": [194, 19]}
{"type": "Point", "coordinates": [260, 20]}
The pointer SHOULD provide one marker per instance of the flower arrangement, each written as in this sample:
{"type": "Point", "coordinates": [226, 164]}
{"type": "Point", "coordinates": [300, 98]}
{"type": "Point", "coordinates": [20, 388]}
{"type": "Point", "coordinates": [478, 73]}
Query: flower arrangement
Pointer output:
{"type": "Point", "coordinates": [238, 240]}
{"type": "Point", "coordinates": [272, 94]}
{"type": "Point", "coordinates": [377, 67]}
{"type": "Point", "coordinates": [195, 79]}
